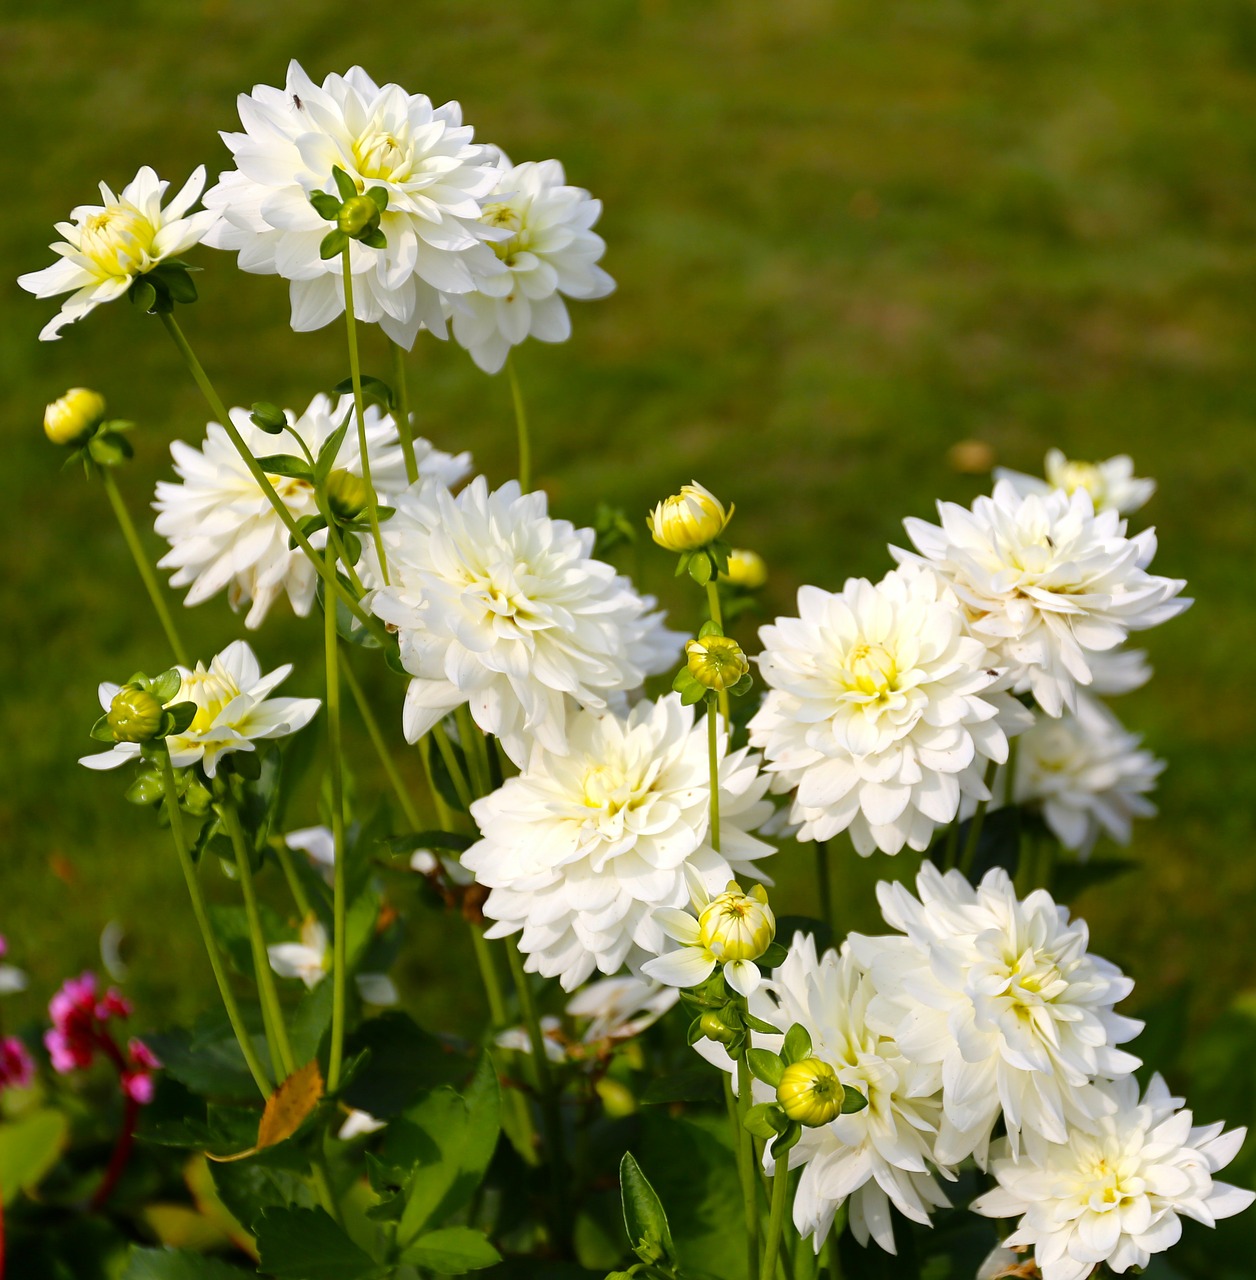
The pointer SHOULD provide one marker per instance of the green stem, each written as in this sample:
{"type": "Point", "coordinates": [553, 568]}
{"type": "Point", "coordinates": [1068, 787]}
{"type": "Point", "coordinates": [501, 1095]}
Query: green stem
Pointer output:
{"type": "Point", "coordinates": [780, 1198]}
{"type": "Point", "coordinates": [746, 1153]}
{"type": "Point", "coordinates": [404, 428]}
{"type": "Point", "coordinates": [713, 769]}
{"type": "Point", "coordinates": [343, 556]}
{"type": "Point", "coordinates": [717, 616]}
{"type": "Point", "coordinates": [446, 749]}
{"type": "Point", "coordinates": [488, 972]}
{"type": "Point", "coordinates": [151, 585]}
{"type": "Point", "coordinates": [376, 735]}
{"type": "Point", "coordinates": [283, 855]}
{"type": "Point", "coordinates": [521, 426]}
{"type": "Point", "coordinates": [326, 571]}
{"type": "Point", "coordinates": [320, 1176]}
{"type": "Point", "coordinates": [272, 1010]}
{"type": "Point", "coordinates": [339, 882]}
{"type": "Point", "coordinates": [359, 409]}
{"type": "Point", "coordinates": [473, 751]}
{"type": "Point", "coordinates": [745, 1174]}
{"type": "Point", "coordinates": [974, 828]}
{"type": "Point", "coordinates": [824, 887]}
{"type": "Point", "coordinates": [950, 851]}
{"type": "Point", "coordinates": [832, 1258]}
{"type": "Point", "coordinates": [175, 817]}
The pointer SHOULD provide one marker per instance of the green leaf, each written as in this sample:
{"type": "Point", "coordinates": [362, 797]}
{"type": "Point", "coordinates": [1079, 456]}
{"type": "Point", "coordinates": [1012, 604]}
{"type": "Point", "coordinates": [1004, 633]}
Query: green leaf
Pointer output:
{"type": "Point", "coordinates": [305, 1244]}
{"type": "Point", "coordinates": [165, 686]}
{"type": "Point", "coordinates": [757, 1024]}
{"type": "Point", "coordinates": [797, 1044]}
{"type": "Point", "coordinates": [453, 840]}
{"type": "Point", "coordinates": [452, 1251]}
{"type": "Point", "coordinates": [644, 1216]}
{"type": "Point", "coordinates": [404, 1061]}
{"type": "Point", "coordinates": [380, 196]}
{"type": "Point", "coordinates": [852, 1101]}
{"type": "Point", "coordinates": [697, 1084]}
{"type": "Point", "coordinates": [700, 568]}
{"type": "Point", "coordinates": [308, 525]}
{"type": "Point", "coordinates": [766, 1066]}
{"type": "Point", "coordinates": [181, 715]}
{"type": "Point", "coordinates": [373, 389]}
{"type": "Point", "coordinates": [248, 1187]}
{"type": "Point", "coordinates": [693, 693]}
{"type": "Point", "coordinates": [176, 1264]}
{"type": "Point", "coordinates": [178, 282]}
{"type": "Point", "coordinates": [311, 1021]}
{"type": "Point", "coordinates": [207, 1058]}
{"type": "Point", "coordinates": [326, 205]}
{"type": "Point", "coordinates": [29, 1148]}
{"type": "Point", "coordinates": [326, 460]}
{"type": "Point", "coordinates": [1072, 878]}
{"type": "Point", "coordinates": [344, 184]}
{"type": "Point", "coordinates": [269, 417]}
{"type": "Point", "coordinates": [765, 1120]}
{"type": "Point", "coordinates": [286, 464]}
{"type": "Point", "coordinates": [334, 242]}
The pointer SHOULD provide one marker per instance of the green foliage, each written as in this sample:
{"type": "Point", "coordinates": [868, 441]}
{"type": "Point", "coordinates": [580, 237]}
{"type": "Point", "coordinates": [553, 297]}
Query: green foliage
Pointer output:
{"type": "Point", "coordinates": [29, 1147]}
{"type": "Point", "coordinates": [176, 1264]}
{"type": "Point", "coordinates": [305, 1244]}
{"type": "Point", "coordinates": [451, 1251]}
{"type": "Point", "coordinates": [644, 1217]}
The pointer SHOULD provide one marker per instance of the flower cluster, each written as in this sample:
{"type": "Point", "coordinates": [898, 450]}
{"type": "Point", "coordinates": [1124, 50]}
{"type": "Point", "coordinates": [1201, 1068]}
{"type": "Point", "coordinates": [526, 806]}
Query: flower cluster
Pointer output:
{"type": "Point", "coordinates": [80, 1031]}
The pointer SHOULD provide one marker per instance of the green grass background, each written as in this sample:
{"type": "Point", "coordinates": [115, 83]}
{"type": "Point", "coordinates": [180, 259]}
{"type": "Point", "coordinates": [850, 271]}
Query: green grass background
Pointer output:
{"type": "Point", "coordinates": [846, 237]}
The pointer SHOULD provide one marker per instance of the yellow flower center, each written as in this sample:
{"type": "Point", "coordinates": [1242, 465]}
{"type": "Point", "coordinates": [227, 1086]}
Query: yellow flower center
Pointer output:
{"type": "Point", "coordinates": [211, 691]}
{"type": "Point", "coordinates": [871, 669]}
{"type": "Point", "coordinates": [507, 216]}
{"type": "Point", "coordinates": [118, 240]}
{"type": "Point", "coordinates": [380, 154]}
{"type": "Point", "coordinates": [606, 788]}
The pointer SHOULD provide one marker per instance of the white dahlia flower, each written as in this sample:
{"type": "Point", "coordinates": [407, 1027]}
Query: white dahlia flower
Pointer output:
{"type": "Point", "coordinates": [1088, 775]}
{"type": "Point", "coordinates": [311, 961]}
{"type": "Point", "coordinates": [880, 710]}
{"type": "Point", "coordinates": [1046, 582]}
{"type": "Point", "coordinates": [551, 251]}
{"type": "Point", "coordinates": [423, 156]}
{"type": "Point", "coordinates": [1117, 1195]}
{"type": "Point", "coordinates": [1112, 484]}
{"type": "Point", "coordinates": [222, 529]}
{"type": "Point", "coordinates": [1118, 671]}
{"type": "Point", "coordinates": [233, 710]}
{"type": "Point", "coordinates": [104, 247]}
{"type": "Point", "coordinates": [1003, 997]}
{"type": "Point", "coordinates": [501, 607]}
{"type": "Point", "coordinates": [875, 1157]}
{"type": "Point", "coordinates": [585, 845]}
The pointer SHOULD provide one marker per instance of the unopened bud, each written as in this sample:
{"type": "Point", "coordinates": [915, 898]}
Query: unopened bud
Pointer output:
{"type": "Point", "coordinates": [716, 661]}
{"type": "Point", "coordinates": [134, 715]}
{"type": "Point", "coordinates": [715, 1029]}
{"type": "Point", "coordinates": [736, 925]}
{"type": "Point", "coordinates": [346, 495]}
{"type": "Point", "coordinates": [688, 519]}
{"type": "Point", "coordinates": [358, 216]}
{"type": "Point", "coordinates": [746, 569]}
{"type": "Point", "coordinates": [810, 1092]}
{"type": "Point", "coordinates": [72, 417]}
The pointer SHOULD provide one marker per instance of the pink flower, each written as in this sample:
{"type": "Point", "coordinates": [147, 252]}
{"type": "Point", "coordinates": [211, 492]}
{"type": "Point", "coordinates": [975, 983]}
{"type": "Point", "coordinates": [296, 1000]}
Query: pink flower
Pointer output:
{"type": "Point", "coordinates": [17, 1067]}
{"type": "Point", "coordinates": [80, 1030]}
{"type": "Point", "coordinates": [137, 1079]}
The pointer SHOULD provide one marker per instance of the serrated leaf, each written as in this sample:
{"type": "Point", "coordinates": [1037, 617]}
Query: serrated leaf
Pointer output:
{"type": "Point", "coordinates": [290, 1105]}
{"type": "Point", "coordinates": [176, 1264]}
{"type": "Point", "coordinates": [451, 1251]}
{"type": "Point", "coordinates": [797, 1044]}
{"type": "Point", "coordinates": [344, 184]}
{"type": "Point", "coordinates": [305, 1244]}
{"type": "Point", "coordinates": [286, 464]}
{"type": "Point", "coordinates": [644, 1217]}
{"type": "Point", "coordinates": [766, 1066]}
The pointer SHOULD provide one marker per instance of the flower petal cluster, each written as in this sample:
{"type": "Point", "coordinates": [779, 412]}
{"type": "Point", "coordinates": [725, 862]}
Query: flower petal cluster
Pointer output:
{"type": "Point", "coordinates": [1112, 484]}
{"type": "Point", "coordinates": [104, 247]}
{"type": "Point", "coordinates": [17, 1067]}
{"type": "Point", "coordinates": [1087, 774]}
{"type": "Point", "coordinates": [1117, 1195]}
{"type": "Point", "coordinates": [311, 960]}
{"type": "Point", "coordinates": [1002, 996]}
{"type": "Point", "coordinates": [80, 1031]}
{"type": "Point", "coordinates": [1046, 581]}
{"type": "Point", "coordinates": [234, 710]}
{"type": "Point", "coordinates": [689, 519]}
{"type": "Point", "coordinates": [584, 846]}
{"type": "Point", "coordinates": [881, 1155]}
{"type": "Point", "coordinates": [503, 608]}
{"type": "Point", "coordinates": [882, 712]}
{"type": "Point", "coordinates": [222, 529]}
{"type": "Point", "coordinates": [552, 251]}
{"type": "Point", "coordinates": [381, 136]}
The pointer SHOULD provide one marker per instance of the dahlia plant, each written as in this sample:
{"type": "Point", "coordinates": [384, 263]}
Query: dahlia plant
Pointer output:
{"type": "Point", "coordinates": [774, 1098]}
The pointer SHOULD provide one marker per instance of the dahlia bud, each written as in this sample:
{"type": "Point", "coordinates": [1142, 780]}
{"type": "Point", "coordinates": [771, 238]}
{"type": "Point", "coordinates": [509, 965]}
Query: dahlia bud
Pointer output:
{"type": "Point", "coordinates": [716, 661]}
{"type": "Point", "coordinates": [810, 1092]}
{"type": "Point", "coordinates": [346, 494]}
{"type": "Point", "coordinates": [135, 715]}
{"type": "Point", "coordinates": [688, 519]}
{"type": "Point", "coordinates": [746, 569]}
{"type": "Point", "coordinates": [736, 925]}
{"type": "Point", "coordinates": [715, 1028]}
{"type": "Point", "coordinates": [358, 217]}
{"type": "Point", "coordinates": [72, 417]}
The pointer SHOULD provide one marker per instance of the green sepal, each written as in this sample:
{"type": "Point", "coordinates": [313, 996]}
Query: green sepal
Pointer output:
{"type": "Point", "coordinates": [108, 450]}
{"type": "Point", "coordinates": [286, 464]}
{"type": "Point", "coordinates": [143, 294]}
{"type": "Point", "coordinates": [797, 1044]}
{"type": "Point", "coordinates": [344, 184]}
{"type": "Point", "coordinates": [789, 1138]}
{"type": "Point", "coordinates": [325, 204]}
{"type": "Point", "coordinates": [178, 282]}
{"type": "Point", "coordinates": [373, 239]}
{"type": "Point", "coordinates": [373, 388]}
{"type": "Point", "coordinates": [177, 718]}
{"type": "Point", "coordinates": [380, 196]}
{"type": "Point", "coordinates": [683, 563]}
{"type": "Point", "coordinates": [711, 628]}
{"type": "Point", "coordinates": [695, 1032]}
{"type": "Point", "coordinates": [333, 242]}
{"type": "Point", "coordinates": [101, 730]}
{"type": "Point", "coordinates": [268, 417]}
{"type": "Point", "coordinates": [165, 686]}
{"type": "Point", "coordinates": [773, 957]}
{"type": "Point", "coordinates": [763, 1028]}
{"type": "Point", "coordinates": [718, 551]}
{"type": "Point", "coordinates": [743, 686]}
{"type": "Point", "coordinates": [700, 568]}
{"type": "Point", "coordinates": [353, 547]}
{"type": "Point", "coordinates": [690, 688]}
{"type": "Point", "coordinates": [852, 1101]}
{"type": "Point", "coordinates": [765, 1120]}
{"type": "Point", "coordinates": [765, 1065]}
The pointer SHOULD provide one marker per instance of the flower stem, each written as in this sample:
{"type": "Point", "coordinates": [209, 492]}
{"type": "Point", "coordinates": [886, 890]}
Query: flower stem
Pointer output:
{"type": "Point", "coordinates": [746, 1158]}
{"type": "Point", "coordinates": [121, 1154]}
{"type": "Point", "coordinates": [713, 767]}
{"type": "Point", "coordinates": [824, 887]}
{"type": "Point", "coordinates": [327, 572]}
{"type": "Point", "coordinates": [359, 409]}
{"type": "Point", "coordinates": [373, 730]}
{"type": "Point", "coordinates": [446, 749]}
{"type": "Point", "coordinates": [745, 1175]}
{"type": "Point", "coordinates": [780, 1197]}
{"type": "Point", "coordinates": [339, 889]}
{"type": "Point", "coordinates": [283, 855]}
{"type": "Point", "coordinates": [272, 1010]}
{"type": "Point", "coordinates": [404, 427]}
{"type": "Point", "coordinates": [175, 817]}
{"type": "Point", "coordinates": [974, 829]}
{"type": "Point", "coordinates": [717, 616]}
{"type": "Point", "coordinates": [473, 751]}
{"type": "Point", "coordinates": [521, 426]}
{"type": "Point", "coordinates": [151, 585]}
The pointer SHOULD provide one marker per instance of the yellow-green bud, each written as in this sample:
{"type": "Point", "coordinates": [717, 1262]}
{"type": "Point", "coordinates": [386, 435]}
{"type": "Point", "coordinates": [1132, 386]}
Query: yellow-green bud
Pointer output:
{"type": "Point", "coordinates": [134, 715]}
{"type": "Point", "coordinates": [810, 1092]}
{"type": "Point", "coordinates": [688, 519]}
{"type": "Point", "coordinates": [358, 216]}
{"type": "Point", "coordinates": [69, 419]}
{"type": "Point", "coordinates": [716, 661]}
{"type": "Point", "coordinates": [746, 569]}
{"type": "Point", "coordinates": [346, 494]}
{"type": "Point", "coordinates": [715, 1029]}
{"type": "Point", "coordinates": [736, 925]}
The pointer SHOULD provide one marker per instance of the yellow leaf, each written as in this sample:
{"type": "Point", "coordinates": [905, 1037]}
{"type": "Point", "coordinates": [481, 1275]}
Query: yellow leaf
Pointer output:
{"type": "Point", "coordinates": [289, 1105]}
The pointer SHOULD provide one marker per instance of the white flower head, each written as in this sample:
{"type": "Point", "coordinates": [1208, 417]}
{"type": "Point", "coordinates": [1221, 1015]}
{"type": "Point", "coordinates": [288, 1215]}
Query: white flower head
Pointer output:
{"type": "Point", "coordinates": [1112, 484]}
{"type": "Point", "coordinates": [881, 711]}
{"type": "Point", "coordinates": [359, 1124]}
{"type": "Point", "coordinates": [222, 529]}
{"type": "Point", "coordinates": [1046, 581]}
{"type": "Point", "coordinates": [422, 155]}
{"type": "Point", "coordinates": [105, 247]}
{"type": "Point", "coordinates": [1117, 1195]}
{"type": "Point", "coordinates": [1003, 996]}
{"type": "Point", "coordinates": [619, 1008]}
{"type": "Point", "coordinates": [553, 1040]}
{"type": "Point", "coordinates": [582, 848]}
{"type": "Point", "coordinates": [501, 607]}
{"type": "Point", "coordinates": [234, 709]}
{"type": "Point", "coordinates": [872, 1158]}
{"type": "Point", "coordinates": [1118, 671]}
{"type": "Point", "coordinates": [311, 961]}
{"type": "Point", "coordinates": [1088, 775]}
{"type": "Point", "coordinates": [552, 251]}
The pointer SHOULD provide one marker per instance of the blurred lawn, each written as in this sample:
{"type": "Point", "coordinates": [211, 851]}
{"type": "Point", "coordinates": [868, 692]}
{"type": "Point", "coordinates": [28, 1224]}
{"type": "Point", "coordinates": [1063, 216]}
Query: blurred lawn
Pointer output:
{"type": "Point", "coordinates": [846, 237]}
